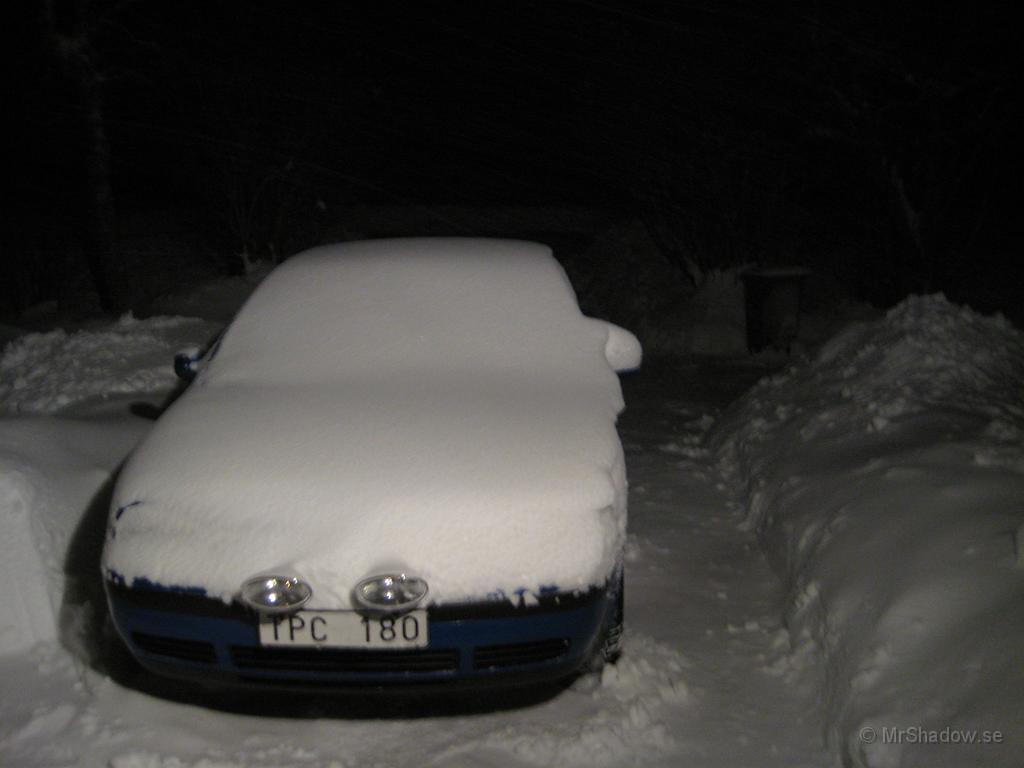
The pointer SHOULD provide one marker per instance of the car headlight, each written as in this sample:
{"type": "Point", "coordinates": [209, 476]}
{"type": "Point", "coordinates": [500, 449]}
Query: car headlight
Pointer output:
{"type": "Point", "coordinates": [275, 594]}
{"type": "Point", "coordinates": [390, 592]}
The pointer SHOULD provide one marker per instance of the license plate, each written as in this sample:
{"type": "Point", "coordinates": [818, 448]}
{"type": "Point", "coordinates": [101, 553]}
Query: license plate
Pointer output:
{"type": "Point", "coordinates": [345, 629]}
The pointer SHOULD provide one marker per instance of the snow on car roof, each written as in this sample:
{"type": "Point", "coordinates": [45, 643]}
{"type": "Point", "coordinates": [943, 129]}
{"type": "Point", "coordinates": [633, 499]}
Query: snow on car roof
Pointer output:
{"type": "Point", "coordinates": [423, 304]}
{"type": "Point", "coordinates": [438, 405]}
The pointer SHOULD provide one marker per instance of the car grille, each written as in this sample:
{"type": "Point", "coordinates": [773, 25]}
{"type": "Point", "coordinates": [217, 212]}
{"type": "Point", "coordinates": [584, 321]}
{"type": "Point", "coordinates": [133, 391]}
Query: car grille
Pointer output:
{"type": "Point", "coordinates": [328, 660]}
{"type": "Point", "coordinates": [176, 648]}
{"type": "Point", "coordinates": [518, 654]}
{"type": "Point", "coordinates": [196, 603]}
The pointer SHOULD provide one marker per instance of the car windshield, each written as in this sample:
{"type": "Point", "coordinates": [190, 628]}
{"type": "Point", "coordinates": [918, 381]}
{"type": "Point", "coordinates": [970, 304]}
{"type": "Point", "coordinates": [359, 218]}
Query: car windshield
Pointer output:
{"type": "Point", "coordinates": [377, 308]}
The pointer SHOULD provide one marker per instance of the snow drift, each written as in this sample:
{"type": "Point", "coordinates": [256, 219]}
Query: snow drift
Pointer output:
{"type": "Point", "coordinates": [50, 372]}
{"type": "Point", "coordinates": [50, 471]}
{"type": "Point", "coordinates": [885, 478]}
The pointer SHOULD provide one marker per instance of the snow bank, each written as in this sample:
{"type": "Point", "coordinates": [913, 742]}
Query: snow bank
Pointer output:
{"type": "Point", "coordinates": [885, 478]}
{"type": "Point", "coordinates": [28, 613]}
{"type": "Point", "coordinates": [50, 471]}
{"type": "Point", "coordinates": [47, 372]}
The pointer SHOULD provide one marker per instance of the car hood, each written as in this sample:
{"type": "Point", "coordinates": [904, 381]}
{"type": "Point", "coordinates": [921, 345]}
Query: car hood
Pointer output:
{"type": "Point", "coordinates": [480, 486]}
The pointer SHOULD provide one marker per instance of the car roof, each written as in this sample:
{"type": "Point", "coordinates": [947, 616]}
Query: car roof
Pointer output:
{"type": "Point", "coordinates": [413, 303]}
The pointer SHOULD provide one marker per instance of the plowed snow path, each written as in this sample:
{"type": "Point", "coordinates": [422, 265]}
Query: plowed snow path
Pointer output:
{"type": "Point", "coordinates": [699, 583]}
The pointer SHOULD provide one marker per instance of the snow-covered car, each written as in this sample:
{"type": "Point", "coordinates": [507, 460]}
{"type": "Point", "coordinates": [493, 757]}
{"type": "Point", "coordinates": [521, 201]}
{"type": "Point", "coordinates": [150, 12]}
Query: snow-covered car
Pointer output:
{"type": "Point", "coordinates": [398, 464]}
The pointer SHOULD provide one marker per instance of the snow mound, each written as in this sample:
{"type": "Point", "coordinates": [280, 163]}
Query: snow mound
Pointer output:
{"type": "Point", "coordinates": [885, 478]}
{"type": "Point", "coordinates": [50, 471]}
{"type": "Point", "coordinates": [47, 372]}
{"type": "Point", "coordinates": [28, 614]}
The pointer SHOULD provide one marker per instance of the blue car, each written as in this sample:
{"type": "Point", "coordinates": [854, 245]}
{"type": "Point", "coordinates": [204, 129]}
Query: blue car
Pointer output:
{"type": "Point", "coordinates": [398, 466]}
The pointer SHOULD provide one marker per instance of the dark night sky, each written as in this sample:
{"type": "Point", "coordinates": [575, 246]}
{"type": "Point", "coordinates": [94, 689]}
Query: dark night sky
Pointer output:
{"type": "Point", "coordinates": [797, 117]}
{"type": "Point", "coordinates": [522, 100]}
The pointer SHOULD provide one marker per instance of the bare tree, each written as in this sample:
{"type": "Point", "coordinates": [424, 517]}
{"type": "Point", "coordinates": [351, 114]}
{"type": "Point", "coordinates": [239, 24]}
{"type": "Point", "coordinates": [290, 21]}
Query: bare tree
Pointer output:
{"type": "Point", "coordinates": [71, 30]}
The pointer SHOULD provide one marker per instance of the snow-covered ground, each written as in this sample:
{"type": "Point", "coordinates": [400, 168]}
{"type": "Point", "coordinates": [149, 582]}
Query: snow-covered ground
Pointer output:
{"type": "Point", "coordinates": [884, 476]}
{"type": "Point", "coordinates": [53, 371]}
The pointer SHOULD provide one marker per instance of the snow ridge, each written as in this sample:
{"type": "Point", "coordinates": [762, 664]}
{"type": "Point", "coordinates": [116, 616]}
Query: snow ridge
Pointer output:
{"type": "Point", "coordinates": [885, 478]}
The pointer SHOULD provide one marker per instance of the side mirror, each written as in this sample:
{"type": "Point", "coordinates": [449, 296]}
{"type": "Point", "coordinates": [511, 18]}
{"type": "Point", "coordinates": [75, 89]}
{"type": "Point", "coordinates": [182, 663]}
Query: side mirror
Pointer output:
{"type": "Point", "coordinates": [622, 349]}
{"type": "Point", "coordinates": [186, 363]}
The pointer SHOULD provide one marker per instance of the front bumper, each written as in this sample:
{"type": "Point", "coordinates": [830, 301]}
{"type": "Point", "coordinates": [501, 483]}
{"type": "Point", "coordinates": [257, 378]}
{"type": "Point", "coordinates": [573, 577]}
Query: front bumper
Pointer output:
{"type": "Point", "coordinates": [188, 635]}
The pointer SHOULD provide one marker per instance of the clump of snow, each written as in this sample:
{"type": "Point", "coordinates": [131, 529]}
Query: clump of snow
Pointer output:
{"type": "Point", "coordinates": [885, 478]}
{"type": "Point", "coordinates": [48, 372]}
{"type": "Point", "coordinates": [439, 406]}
